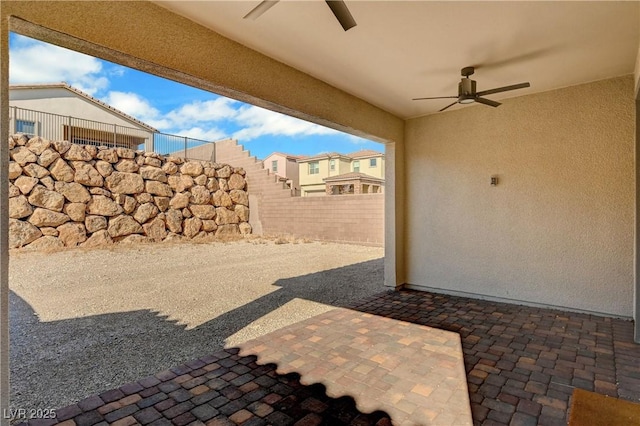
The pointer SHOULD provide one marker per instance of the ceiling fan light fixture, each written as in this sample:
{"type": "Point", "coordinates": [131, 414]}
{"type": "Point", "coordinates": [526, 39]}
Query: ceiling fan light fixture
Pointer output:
{"type": "Point", "coordinates": [467, 93]}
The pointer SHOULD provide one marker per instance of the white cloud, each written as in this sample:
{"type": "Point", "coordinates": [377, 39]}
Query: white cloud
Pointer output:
{"type": "Point", "coordinates": [32, 61]}
{"type": "Point", "coordinates": [201, 119]}
{"type": "Point", "coordinates": [117, 70]}
{"type": "Point", "coordinates": [209, 134]}
{"type": "Point", "coordinates": [356, 139]}
{"type": "Point", "coordinates": [198, 111]}
{"type": "Point", "coordinates": [256, 122]}
{"type": "Point", "coordinates": [179, 121]}
{"type": "Point", "coordinates": [91, 85]}
{"type": "Point", "coordinates": [138, 107]}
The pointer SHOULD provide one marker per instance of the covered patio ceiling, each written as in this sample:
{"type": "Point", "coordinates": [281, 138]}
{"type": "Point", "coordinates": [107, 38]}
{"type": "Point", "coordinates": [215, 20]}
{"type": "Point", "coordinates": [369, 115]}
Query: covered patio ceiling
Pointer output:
{"type": "Point", "coordinates": [405, 49]}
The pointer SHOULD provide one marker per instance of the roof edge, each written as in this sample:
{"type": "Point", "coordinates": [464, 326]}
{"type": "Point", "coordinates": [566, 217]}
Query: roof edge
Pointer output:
{"type": "Point", "coordinates": [64, 85]}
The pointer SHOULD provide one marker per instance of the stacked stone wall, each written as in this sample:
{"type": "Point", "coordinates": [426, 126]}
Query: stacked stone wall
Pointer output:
{"type": "Point", "coordinates": [62, 194]}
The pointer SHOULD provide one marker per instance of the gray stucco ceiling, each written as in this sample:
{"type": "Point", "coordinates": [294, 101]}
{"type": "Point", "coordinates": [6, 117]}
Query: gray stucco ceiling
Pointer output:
{"type": "Point", "coordinates": [405, 49]}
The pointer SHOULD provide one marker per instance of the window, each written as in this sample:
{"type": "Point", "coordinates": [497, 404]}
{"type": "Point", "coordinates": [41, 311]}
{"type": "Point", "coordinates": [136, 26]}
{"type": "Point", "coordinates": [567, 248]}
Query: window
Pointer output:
{"type": "Point", "coordinates": [356, 166]}
{"type": "Point", "coordinates": [373, 162]}
{"type": "Point", "coordinates": [314, 168]}
{"type": "Point", "coordinates": [25, 126]}
{"type": "Point", "coordinates": [274, 166]}
{"type": "Point", "coordinates": [332, 165]}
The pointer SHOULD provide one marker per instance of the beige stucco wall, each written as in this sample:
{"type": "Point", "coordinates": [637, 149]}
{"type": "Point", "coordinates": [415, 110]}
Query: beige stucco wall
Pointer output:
{"type": "Point", "coordinates": [307, 179]}
{"type": "Point", "coordinates": [291, 167]}
{"type": "Point", "coordinates": [558, 229]}
{"type": "Point", "coordinates": [286, 167]}
{"type": "Point", "coordinates": [62, 101]}
{"type": "Point", "coordinates": [64, 104]}
{"type": "Point", "coordinates": [377, 171]}
{"type": "Point", "coordinates": [343, 165]}
{"type": "Point", "coordinates": [281, 161]}
{"type": "Point", "coordinates": [315, 183]}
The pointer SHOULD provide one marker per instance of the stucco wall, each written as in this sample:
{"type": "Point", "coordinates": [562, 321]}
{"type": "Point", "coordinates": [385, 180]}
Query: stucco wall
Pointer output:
{"type": "Point", "coordinates": [63, 102]}
{"type": "Point", "coordinates": [310, 179]}
{"type": "Point", "coordinates": [64, 109]}
{"type": "Point", "coordinates": [287, 168]}
{"type": "Point", "coordinates": [558, 229]}
{"type": "Point", "coordinates": [377, 171]}
{"type": "Point", "coordinates": [291, 166]}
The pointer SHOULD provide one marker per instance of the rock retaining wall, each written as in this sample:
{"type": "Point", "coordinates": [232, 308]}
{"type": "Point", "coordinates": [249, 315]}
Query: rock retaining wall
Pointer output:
{"type": "Point", "coordinates": [62, 194]}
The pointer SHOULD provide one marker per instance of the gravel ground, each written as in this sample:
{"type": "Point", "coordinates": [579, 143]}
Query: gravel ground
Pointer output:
{"type": "Point", "coordinates": [83, 321]}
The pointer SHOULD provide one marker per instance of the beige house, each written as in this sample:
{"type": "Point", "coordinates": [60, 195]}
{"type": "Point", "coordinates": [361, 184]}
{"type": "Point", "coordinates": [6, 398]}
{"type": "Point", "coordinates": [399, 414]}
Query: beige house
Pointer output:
{"type": "Point", "coordinates": [285, 167]}
{"type": "Point", "coordinates": [59, 111]}
{"type": "Point", "coordinates": [361, 172]}
{"type": "Point", "coordinates": [313, 170]}
{"type": "Point", "coordinates": [369, 162]}
{"type": "Point", "coordinates": [559, 228]}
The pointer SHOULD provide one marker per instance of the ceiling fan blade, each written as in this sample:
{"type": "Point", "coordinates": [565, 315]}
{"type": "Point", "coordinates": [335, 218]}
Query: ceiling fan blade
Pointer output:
{"type": "Point", "coordinates": [504, 89]}
{"type": "Point", "coordinates": [342, 13]}
{"type": "Point", "coordinates": [450, 105]}
{"type": "Point", "coordinates": [257, 11]}
{"type": "Point", "coordinates": [437, 97]}
{"type": "Point", "coordinates": [487, 102]}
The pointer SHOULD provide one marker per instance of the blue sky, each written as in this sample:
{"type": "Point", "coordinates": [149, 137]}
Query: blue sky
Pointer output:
{"type": "Point", "coordinates": [175, 108]}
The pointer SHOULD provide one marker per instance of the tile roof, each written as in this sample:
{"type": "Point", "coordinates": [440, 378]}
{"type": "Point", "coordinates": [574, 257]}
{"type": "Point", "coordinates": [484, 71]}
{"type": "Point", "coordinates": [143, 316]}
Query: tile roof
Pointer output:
{"type": "Point", "coordinates": [288, 156]}
{"type": "Point", "coordinates": [365, 153]}
{"type": "Point", "coordinates": [323, 155]}
{"type": "Point", "coordinates": [351, 176]}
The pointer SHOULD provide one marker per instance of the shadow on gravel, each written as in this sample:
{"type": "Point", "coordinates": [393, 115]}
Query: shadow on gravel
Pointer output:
{"type": "Point", "coordinates": [58, 362]}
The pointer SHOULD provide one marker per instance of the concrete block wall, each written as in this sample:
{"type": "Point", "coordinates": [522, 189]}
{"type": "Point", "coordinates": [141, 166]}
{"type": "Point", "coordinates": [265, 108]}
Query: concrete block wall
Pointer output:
{"type": "Point", "coordinates": [274, 211]}
{"type": "Point", "coordinates": [346, 218]}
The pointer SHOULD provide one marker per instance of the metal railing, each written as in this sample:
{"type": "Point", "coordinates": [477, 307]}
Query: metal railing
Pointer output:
{"type": "Point", "coordinates": [90, 132]}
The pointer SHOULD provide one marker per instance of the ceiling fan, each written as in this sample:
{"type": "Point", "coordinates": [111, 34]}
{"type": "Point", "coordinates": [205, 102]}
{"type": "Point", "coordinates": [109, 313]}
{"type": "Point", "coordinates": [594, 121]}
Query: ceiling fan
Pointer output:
{"type": "Point", "coordinates": [467, 91]}
{"type": "Point", "coordinates": [338, 8]}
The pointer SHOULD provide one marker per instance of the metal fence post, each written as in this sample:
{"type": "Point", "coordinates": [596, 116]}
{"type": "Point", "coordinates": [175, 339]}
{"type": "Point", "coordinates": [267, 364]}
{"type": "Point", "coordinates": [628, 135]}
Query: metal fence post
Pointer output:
{"type": "Point", "coordinates": [185, 147]}
{"type": "Point", "coordinates": [70, 130]}
{"type": "Point", "coordinates": [15, 121]}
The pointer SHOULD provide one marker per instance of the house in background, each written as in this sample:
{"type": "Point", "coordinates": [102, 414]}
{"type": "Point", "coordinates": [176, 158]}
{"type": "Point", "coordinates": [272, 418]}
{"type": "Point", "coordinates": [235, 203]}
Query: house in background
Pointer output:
{"type": "Point", "coordinates": [369, 162]}
{"type": "Point", "coordinates": [59, 111]}
{"type": "Point", "coordinates": [285, 166]}
{"type": "Point", "coordinates": [360, 172]}
{"type": "Point", "coordinates": [313, 170]}
{"type": "Point", "coordinates": [353, 183]}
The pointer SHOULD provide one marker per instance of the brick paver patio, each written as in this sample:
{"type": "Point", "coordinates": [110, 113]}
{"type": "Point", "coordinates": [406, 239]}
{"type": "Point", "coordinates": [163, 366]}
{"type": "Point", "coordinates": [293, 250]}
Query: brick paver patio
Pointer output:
{"type": "Point", "coordinates": [414, 373]}
{"type": "Point", "coordinates": [521, 365]}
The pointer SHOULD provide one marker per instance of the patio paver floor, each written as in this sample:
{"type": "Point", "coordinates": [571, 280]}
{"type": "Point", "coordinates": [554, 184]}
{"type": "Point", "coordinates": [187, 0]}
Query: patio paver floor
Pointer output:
{"type": "Point", "coordinates": [412, 372]}
{"type": "Point", "coordinates": [521, 364]}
